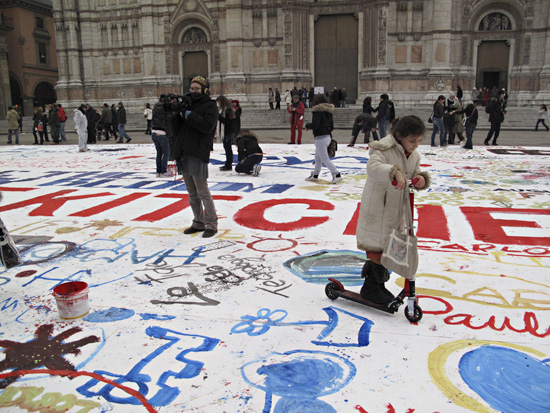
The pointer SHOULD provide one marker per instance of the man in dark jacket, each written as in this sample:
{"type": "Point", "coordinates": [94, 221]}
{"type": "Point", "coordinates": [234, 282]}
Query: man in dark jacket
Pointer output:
{"type": "Point", "coordinates": [106, 119]}
{"type": "Point", "coordinates": [53, 121]}
{"type": "Point", "coordinates": [121, 116]}
{"type": "Point", "coordinates": [496, 111]}
{"type": "Point", "coordinates": [194, 130]}
{"type": "Point", "coordinates": [92, 120]}
{"type": "Point", "coordinates": [385, 114]}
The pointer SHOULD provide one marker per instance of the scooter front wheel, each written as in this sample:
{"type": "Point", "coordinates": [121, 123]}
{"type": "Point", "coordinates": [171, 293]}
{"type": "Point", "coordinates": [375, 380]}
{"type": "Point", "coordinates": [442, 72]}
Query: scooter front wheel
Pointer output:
{"type": "Point", "coordinates": [330, 290]}
{"type": "Point", "coordinates": [416, 316]}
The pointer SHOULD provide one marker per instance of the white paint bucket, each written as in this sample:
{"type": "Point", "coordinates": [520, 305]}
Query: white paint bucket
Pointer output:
{"type": "Point", "coordinates": [72, 299]}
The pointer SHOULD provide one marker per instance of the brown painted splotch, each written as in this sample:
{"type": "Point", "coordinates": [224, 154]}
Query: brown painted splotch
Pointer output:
{"type": "Point", "coordinates": [44, 350]}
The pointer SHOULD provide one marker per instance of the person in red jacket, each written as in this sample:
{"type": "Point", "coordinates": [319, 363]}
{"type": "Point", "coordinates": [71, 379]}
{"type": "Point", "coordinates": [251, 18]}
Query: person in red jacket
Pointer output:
{"type": "Point", "coordinates": [62, 119]}
{"type": "Point", "coordinates": [296, 110]}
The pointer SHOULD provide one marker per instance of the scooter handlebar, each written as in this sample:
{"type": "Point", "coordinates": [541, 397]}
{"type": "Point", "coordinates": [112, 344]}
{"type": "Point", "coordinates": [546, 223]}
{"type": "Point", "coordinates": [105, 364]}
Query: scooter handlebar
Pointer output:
{"type": "Point", "coordinates": [412, 182]}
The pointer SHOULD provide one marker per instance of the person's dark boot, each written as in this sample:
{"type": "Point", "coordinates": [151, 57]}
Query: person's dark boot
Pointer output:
{"type": "Point", "coordinates": [373, 288]}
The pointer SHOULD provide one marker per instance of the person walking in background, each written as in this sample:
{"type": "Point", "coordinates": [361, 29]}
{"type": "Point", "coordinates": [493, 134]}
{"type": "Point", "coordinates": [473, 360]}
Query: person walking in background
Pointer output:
{"type": "Point", "coordinates": [369, 110]}
{"type": "Point", "coordinates": [437, 121]}
{"type": "Point", "coordinates": [458, 126]}
{"type": "Point", "coordinates": [238, 112]}
{"type": "Point", "coordinates": [249, 153]}
{"type": "Point", "coordinates": [363, 123]}
{"type": "Point", "coordinates": [303, 96]}
{"type": "Point", "coordinates": [35, 123]}
{"type": "Point", "coordinates": [62, 120]}
{"type": "Point", "coordinates": [277, 99]}
{"type": "Point", "coordinates": [121, 116]}
{"type": "Point", "coordinates": [310, 96]}
{"type": "Point", "coordinates": [343, 97]}
{"type": "Point", "coordinates": [296, 110]}
{"type": "Point", "coordinates": [448, 117]}
{"type": "Point", "coordinates": [543, 114]}
{"type": "Point", "coordinates": [92, 120]}
{"type": "Point", "coordinates": [475, 96]}
{"type": "Point", "coordinates": [459, 93]}
{"type": "Point", "coordinates": [20, 120]}
{"type": "Point", "coordinates": [13, 124]}
{"type": "Point", "coordinates": [288, 98]}
{"type": "Point", "coordinates": [270, 98]}
{"type": "Point", "coordinates": [148, 115]}
{"type": "Point", "coordinates": [114, 125]}
{"type": "Point", "coordinates": [160, 134]}
{"type": "Point", "coordinates": [322, 125]}
{"type": "Point", "coordinates": [496, 110]}
{"type": "Point", "coordinates": [53, 121]}
{"type": "Point", "coordinates": [81, 127]}
{"type": "Point", "coordinates": [192, 146]}
{"type": "Point", "coordinates": [470, 123]}
{"type": "Point", "coordinates": [230, 128]}
{"type": "Point", "coordinates": [384, 116]}
{"type": "Point", "coordinates": [106, 119]}
{"type": "Point", "coordinates": [45, 124]}
{"type": "Point", "coordinates": [486, 96]}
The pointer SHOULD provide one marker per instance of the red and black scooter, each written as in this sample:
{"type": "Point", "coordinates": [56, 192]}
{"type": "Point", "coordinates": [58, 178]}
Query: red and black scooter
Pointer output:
{"type": "Point", "coordinates": [335, 289]}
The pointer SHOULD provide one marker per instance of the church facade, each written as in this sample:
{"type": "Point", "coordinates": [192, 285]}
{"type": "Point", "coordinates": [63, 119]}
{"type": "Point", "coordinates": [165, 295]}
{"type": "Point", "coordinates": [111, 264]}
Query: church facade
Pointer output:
{"type": "Point", "coordinates": [134, 50]}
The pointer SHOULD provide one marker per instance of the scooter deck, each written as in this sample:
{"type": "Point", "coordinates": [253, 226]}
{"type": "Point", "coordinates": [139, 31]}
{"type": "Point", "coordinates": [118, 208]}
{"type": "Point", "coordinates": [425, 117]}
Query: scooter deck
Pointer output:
{"type": "Point", "coordinates": [352, 296]}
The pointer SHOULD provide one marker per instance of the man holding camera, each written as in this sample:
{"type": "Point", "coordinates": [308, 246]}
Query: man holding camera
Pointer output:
{"type": "Point", "coordinates": [194, 129]}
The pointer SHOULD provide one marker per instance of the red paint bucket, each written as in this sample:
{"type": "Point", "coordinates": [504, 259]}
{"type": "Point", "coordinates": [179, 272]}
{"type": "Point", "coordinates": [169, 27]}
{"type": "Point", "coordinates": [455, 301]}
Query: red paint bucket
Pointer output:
{"type": "Point", "coordinates": [172, 169]}
{"type": "Point", "coordinates": [72, 299]}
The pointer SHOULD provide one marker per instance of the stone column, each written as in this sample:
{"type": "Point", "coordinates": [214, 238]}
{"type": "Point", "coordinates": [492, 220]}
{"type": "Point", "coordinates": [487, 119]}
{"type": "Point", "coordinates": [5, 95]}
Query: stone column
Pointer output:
{"type": "Point", "coordinates": [544, 89]}
{"type": "Point", "coordinates": [5, 91]}
{"type": "Point", "coordinates": [234, 79]}
{"type": "Point", "coordinates": [440, 75]}
{"type": "Point", "coordinates": [151, 64]}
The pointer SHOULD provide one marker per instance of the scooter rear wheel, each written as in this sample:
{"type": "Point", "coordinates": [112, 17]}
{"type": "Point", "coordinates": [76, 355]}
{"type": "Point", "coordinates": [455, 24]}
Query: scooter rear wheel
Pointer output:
{"type": "Point", "coordinates": [330, 289]}
{"type": "Point", "coordinates": [416, 317]}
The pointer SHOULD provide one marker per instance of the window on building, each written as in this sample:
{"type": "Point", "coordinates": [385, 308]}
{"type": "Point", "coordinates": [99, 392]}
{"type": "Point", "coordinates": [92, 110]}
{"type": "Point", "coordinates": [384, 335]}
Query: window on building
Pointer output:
{"type": "Point", "coordinates": [42, 53]}
{"type": "Point", "coordinates": [39, 23]}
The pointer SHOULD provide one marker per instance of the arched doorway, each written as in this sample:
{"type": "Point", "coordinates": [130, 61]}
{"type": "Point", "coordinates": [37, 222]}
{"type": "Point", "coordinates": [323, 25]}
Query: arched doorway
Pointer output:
{"type": "Point", "coordinates": [195, 59]}
{"type": "Point", "coordinates": [194, 63]}
{"type": "Point", "coordinates": [492, 64]}
{"type": "Point", "coordinates": [16, 91]}
{"type": "Point", "coordinates": [336, 54]}
{"type": "Point", "coordinates": [44, 94]}
{"type": "Point", "coordinates": [493, 54]}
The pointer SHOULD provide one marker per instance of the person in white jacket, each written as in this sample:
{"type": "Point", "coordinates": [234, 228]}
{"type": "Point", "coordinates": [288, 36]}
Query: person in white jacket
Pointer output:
{"type": "Point", "coordinates": [392, 158]}
{"type": "Point", "coordinates": [81, 128]}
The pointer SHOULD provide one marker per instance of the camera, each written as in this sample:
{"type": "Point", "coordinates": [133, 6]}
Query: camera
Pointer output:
{"type": "Point", "coordinates": [181, 104]}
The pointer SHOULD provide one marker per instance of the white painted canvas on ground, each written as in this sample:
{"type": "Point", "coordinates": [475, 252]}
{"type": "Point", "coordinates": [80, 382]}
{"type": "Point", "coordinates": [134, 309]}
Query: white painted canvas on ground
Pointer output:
{"type": "Point", "coordinates": [240, 322]}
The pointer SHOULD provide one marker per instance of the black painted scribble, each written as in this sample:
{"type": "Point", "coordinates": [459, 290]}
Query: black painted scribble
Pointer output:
{"type": "Point", "coordinates": [181, 292]}
{"type": "Point", "coordinates": [44, 350]}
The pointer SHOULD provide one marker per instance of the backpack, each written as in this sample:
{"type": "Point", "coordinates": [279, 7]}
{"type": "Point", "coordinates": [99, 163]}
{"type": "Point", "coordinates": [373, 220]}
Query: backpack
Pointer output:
{"type": "Point", "coordinates": [391, 112]}
{"type": "Point", "coordinates": [332, 148]}
{"type": "Point", "coordinates": [62, 116]}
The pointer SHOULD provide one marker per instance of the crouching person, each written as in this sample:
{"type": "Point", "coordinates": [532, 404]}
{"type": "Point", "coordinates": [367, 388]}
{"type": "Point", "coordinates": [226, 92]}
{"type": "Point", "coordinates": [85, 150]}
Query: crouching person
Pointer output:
{"type": "Point", "coordinates": [249, 153]}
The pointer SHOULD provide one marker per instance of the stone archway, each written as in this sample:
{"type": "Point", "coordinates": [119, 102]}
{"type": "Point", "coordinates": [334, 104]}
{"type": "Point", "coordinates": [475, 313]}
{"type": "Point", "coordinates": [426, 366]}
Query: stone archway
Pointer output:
{"type": "Point", "coordinates": [497, 44]}
{"type": "Point", "coordinates": [16, 91]}
{"type": "Point", "coordinates": [194, 48]}
{"type": "Point", "coordinates": [44, 94]}
{"type": "Point", "coordinates": [193, 64]}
